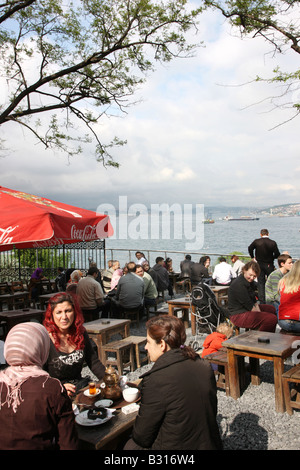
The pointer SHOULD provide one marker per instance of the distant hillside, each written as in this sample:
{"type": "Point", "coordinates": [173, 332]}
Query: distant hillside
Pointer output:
{"type": "Point", "coordinates": [282, 210]}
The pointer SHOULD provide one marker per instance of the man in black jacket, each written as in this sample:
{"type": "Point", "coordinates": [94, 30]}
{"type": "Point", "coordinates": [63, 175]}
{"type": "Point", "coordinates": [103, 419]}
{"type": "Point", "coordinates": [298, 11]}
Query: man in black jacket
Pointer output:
{"type": "Point", "coordinates": [266, 251]}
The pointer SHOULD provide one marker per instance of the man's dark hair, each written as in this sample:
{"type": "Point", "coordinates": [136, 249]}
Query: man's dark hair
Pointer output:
{"type": "Point", "coordinates": [93, 270]}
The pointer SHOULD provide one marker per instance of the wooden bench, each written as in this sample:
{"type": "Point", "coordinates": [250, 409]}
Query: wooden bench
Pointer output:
{"type": "Point", "coordinates": [291, 395]}
{"type": "Point", "coordinates": [220, 359]}
{"type": "Point", "coordinates": [119, 348]}
{"type": "Point", "coordinates": [137, 342]}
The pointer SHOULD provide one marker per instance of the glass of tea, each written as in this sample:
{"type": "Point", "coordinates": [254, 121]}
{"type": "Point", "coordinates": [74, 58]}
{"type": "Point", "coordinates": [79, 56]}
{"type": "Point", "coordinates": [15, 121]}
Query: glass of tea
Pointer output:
{"type": "Point", "coordinates": [92, 388]}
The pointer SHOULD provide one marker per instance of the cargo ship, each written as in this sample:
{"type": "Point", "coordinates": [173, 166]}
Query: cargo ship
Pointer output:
{"type": "Point", "coordinates": [243, 217]}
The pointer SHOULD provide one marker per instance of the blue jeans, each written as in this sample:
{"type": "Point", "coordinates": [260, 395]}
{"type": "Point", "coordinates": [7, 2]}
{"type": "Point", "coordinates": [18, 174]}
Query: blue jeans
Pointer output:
{"type": "Point", "coordinates": [290, 325]}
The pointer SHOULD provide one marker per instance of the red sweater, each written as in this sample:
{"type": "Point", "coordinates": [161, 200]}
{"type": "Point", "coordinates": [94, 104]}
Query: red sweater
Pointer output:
{"type": "Point", "coordinates": [289, 307]}
{"type": "Point", "coordinates": [213, 343]}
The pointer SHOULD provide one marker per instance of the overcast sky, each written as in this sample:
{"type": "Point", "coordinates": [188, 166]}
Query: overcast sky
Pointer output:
{"type": "Point", "coordinates": [197, 137]}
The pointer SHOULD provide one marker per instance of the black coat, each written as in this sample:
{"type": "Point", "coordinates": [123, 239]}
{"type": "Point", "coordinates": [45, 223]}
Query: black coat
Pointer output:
{"type": "Point", "coordinates": [241, 296]}
{"type": "Point", "coordinates": [266, 250]}
{"type": "Point", "coordinates": [198, 272]}
{"type": "Point", "coordinates": [178, 406]}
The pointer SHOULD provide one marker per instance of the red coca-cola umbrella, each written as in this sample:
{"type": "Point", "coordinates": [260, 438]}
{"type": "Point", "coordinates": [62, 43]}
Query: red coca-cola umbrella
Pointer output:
{"type": "Point", "coordinates": [28, 221]}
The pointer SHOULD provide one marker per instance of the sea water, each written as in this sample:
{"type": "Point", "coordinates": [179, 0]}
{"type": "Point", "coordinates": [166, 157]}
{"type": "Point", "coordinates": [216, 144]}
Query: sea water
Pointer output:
{"type": "Point", "coordinates": [221, 237]}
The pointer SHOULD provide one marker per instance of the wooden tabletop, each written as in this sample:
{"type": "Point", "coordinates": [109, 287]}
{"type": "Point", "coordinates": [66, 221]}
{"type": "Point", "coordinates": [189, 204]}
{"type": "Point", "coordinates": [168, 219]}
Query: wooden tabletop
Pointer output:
{"type": "Point", "coordinates": [13, 317]}
{"type": "Point", "coordinates": [218, 288]}
{"type": "Point", "coordinates": [97, 326]}
{"type": "Point", "coordinates": [106, 435]}
{"type": "Point", "coordinates": [279, 345]}
{"type": "Point", "coordinates": [180, 301]}
{"type": "Point", "coordinates": [22, 312]}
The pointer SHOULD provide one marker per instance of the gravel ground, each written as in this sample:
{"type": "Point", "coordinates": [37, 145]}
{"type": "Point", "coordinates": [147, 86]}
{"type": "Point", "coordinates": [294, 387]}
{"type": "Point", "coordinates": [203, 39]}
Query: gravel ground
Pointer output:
{"type": "Point", "coordinates": [251, 422]}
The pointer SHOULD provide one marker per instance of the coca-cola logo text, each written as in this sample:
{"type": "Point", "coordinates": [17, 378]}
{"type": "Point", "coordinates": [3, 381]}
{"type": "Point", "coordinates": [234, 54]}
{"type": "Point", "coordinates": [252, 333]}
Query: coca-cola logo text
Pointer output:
{"type": "Point", "coordinates": [5, 238]}
{"type": "Point", "coordinates": [87, 233]}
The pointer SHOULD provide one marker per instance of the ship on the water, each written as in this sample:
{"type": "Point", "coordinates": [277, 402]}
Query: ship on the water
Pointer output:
{"type": "Point", "coordinates": [243, 217]}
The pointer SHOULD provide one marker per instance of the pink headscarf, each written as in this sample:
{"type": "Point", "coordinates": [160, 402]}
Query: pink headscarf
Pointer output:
{"type": "Point", "coordinates": [26, 350]}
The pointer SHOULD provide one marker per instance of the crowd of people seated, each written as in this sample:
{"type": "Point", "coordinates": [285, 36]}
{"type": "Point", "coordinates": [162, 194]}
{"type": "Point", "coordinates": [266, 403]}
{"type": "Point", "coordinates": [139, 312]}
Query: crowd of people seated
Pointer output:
{"type": "Point", "coordinates": [111, 291]}
{"type": "Point", "coordinates": [115, 289]}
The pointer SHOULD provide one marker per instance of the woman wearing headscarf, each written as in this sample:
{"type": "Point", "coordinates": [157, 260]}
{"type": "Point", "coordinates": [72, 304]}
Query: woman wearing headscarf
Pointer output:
{"type": "Point", "coordinates": [179, 397]}
{"type": "Point", "coordinates": [35, 286]}
{"type": "Point", "coordinates": [35, 410]}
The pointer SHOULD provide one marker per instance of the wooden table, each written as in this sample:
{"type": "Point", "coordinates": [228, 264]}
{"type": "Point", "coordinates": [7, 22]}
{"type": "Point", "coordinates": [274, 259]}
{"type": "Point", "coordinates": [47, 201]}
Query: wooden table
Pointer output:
{"type": "Point", "coordinates": [277, 350]}
{"type": "Point", "coordinates": [103, 329]}
{"type": "Point", "coordinates": [44, 298]}
{"type": "Point", "coordinates": [219, 291]}
{"type": "Point", "coordinates": [11, 298]}
{"type": "Point", "coordinates": [183, 303]}
{"type": "Point", "coordinates": [108, 435]}
{"type": "Point", "coordinates": [13, 317]}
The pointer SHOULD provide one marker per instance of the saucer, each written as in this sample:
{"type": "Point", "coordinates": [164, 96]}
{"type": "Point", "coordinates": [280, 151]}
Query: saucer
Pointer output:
{"type": "Point", "coordinates": [87, 393]}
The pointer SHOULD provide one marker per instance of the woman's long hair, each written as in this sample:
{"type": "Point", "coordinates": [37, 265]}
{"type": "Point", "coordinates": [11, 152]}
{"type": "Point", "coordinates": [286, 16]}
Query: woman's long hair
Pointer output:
{"type": "Point", "coordinates": [76, 330]}
{"type": "Point", "coordinates": [171, 329]}
{"type": "Point", "coordinates": [291, 281]}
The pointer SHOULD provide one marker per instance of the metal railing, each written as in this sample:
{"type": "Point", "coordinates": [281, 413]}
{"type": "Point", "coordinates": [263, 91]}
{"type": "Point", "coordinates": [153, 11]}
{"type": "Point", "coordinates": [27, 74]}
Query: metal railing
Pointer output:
{"type": "Point", "coordinates": [124, 255]}
{"type": "Point", "coordinates": [20, 264]}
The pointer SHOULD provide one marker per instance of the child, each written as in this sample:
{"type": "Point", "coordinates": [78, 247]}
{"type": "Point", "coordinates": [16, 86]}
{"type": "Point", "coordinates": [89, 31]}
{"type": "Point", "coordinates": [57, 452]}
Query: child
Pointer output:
{"type": "Point", "coordinates": [213, 342]}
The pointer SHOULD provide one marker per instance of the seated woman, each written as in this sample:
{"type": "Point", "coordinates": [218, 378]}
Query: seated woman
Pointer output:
{"type": "Point", "coordinates": [179, 400]}
{"type": "Point", "coordinates": [35, 410]}
{"type": "Point", "coordinates": [243, 308]}
{"type": "Point", "coordinates": [35, 286]}
{"type": "Point", "coordinates": [70, 345]}
{"type": "Point", "coordinates": [199, 271]}
{"type": "Point", "coordinates": [289, 306]}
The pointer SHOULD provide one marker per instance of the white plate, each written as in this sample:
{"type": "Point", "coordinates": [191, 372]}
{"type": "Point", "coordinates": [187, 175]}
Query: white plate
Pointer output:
{"type": "Point", "coordinates": [83, 420]}
{"type": "Point", "coordinates": [87, 393]}
{"type": "Point", "coordinates": [105, 403]}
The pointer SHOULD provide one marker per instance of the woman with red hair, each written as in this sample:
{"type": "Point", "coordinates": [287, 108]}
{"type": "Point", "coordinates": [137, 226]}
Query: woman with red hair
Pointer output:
{"type": "Point", "coordinates": [70, 345]}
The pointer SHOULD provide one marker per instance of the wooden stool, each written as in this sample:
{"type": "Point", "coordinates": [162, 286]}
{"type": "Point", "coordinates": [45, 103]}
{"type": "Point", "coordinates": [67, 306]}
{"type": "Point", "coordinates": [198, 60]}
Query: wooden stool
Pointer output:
{"type": "Point", "coordinates": [291, 396]}
{"type": "Point", "coordinates": [222, 379]}
{"type": "Point", "coordinates": [223, 298]}
{"type": "Point", "coordinates": [220, 359]}
{"type": "Point", "coordinates": [119, 348]}
{"type": "Point", "coordinates": [134, 315]}
{"type": "Point", "coordinates": [183, 285]}
{"type": "Point", "coordinates": [237, 330]}
{"type": "Point", "coordinates": [138, 341]}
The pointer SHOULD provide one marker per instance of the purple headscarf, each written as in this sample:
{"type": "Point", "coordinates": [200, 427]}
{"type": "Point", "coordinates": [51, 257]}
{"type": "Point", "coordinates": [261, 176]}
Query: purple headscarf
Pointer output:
{"type": "Point", "coordinates": [37, 273]}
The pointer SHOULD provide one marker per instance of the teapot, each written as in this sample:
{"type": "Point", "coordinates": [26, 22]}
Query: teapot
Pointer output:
{"type": "Point", "coordinates": [111, 390]}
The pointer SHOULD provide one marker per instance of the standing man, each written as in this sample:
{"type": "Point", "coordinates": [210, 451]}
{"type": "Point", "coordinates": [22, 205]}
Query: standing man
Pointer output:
{"type": "Point", "coordinates": [266, 251]}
